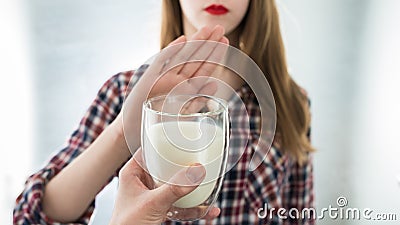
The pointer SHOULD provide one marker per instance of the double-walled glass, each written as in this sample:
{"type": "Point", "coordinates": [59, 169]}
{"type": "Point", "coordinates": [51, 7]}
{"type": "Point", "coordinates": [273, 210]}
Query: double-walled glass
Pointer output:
{"type": "Point", "coordinates": [179, 131]}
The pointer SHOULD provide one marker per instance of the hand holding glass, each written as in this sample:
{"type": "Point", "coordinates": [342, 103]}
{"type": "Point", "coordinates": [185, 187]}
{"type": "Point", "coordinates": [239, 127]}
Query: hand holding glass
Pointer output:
{"type": "Point", "coordinates": [179, 131]}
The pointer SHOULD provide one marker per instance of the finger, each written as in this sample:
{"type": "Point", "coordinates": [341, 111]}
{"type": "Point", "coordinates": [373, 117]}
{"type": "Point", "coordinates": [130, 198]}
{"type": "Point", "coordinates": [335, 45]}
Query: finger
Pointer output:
{"type": "Point", "coordinates": [195, 85]}
{"type": "Point", "coordinates": [145, 177]}
{"type": "Point", "coordinates": [212, 214]}
{"type": "Point", "coordinates": [195, 212]}
{"type": "Point", "coordinates": [172, 48]}
{"type": "Point", "coordinates": [138, 156]}
{"type": "Point", "coordinates": [214, 59]}
{"type": "Point", "coordinates": [196, 104]}
{"type": "Point", "coordinates": [224, 40]}
{"type": "Point", "coordinates": [187, 52]}
{"type": "Point", "coordinates": [200, 82]}
{"type": "Point", "coordinates": [202, 34]}
{"type": "Point", "coordinates": [131, 177]}
{"type": "Point", "coordinates": [208, 65]}
{"type": "Point", "coordinates": [157, 67]}
{"type": "Point", "coordinates": [132, 166]}
{"type": "Point", "coordinates": [209, 88]}
{"type": "Point", "coordinates": [184, 182]}
{"type": "Point", "coordinates": [132, 174]}
{"type": "Point", "coordinates": [203, 52]}
{"type": "Point", "coordinates": [159, 64]}
{"type": "Point", "coordinates": [180, 39]}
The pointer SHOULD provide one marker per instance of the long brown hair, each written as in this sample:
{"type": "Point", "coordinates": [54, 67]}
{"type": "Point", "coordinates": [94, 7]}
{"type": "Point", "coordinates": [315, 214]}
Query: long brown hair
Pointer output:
{"type": "Point", "coordinates": [261, 39]}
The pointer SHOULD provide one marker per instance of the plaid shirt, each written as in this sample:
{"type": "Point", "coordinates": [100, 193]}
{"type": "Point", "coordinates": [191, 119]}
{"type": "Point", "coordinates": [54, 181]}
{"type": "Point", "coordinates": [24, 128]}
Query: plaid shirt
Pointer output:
{"type": "Point", "coordinates": [279, 182]}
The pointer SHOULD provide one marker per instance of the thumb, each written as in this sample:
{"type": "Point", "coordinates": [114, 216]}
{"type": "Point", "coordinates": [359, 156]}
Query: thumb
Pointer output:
{"type": "Point", "coordinates": [181, 184]}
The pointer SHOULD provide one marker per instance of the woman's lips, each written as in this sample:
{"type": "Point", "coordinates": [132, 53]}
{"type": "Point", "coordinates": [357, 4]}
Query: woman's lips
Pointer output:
{"type": "Point", "coordinates": [216, 9]}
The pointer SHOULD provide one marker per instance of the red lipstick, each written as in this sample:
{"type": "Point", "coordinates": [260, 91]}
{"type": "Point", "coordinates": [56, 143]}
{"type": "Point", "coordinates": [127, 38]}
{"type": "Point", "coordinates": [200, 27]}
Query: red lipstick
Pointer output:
{"type": "Point", "coordinates": [216, 9]}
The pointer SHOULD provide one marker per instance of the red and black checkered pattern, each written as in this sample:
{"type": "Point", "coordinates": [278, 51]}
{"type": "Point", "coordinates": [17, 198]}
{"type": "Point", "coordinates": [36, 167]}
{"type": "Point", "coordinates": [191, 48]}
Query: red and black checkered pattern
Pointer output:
{"type": "Point", "coordinates": [278, 182]}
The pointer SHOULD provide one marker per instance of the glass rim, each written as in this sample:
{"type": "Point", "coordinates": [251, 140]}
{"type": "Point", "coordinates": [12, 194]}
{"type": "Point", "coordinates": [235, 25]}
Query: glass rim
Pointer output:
{"type": "Point", "coordinates": [221, 102]}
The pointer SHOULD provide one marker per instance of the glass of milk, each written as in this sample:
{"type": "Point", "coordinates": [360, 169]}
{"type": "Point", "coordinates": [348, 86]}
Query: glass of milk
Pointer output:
{"type": "Point", "coordinates": [179, 131]}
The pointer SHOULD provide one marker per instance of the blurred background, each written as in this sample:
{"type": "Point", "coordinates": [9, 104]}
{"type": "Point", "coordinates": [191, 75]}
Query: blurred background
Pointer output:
{"type": "Point", "coordinates": [54, 56]}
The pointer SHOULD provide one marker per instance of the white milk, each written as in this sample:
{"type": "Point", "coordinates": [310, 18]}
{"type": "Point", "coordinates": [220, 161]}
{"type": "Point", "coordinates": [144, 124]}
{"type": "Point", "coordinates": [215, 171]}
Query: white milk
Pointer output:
{"type": "Point", "coordinates": [164, 159]}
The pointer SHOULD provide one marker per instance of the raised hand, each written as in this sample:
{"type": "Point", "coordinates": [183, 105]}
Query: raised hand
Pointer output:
{"type": "Point", "coordinates": [170, 68]}
{"type": "Point", "coordinates": [162, 76]}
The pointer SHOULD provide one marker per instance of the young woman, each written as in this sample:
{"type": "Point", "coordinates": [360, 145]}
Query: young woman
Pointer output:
{"type": "Point", "coordinates": [64, 191]}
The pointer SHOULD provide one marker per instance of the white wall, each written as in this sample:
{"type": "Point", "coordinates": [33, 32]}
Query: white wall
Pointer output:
{"type": "Point", "coordinates": [16, 105]}
{"type": "Point", "coordinates": [346, 54]}
{"type": "Point", "coordinates": [375, 156]}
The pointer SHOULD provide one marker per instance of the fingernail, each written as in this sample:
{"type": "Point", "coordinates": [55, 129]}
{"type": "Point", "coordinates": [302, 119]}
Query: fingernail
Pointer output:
{"type": "Point", "coordinates": [196, 173]}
